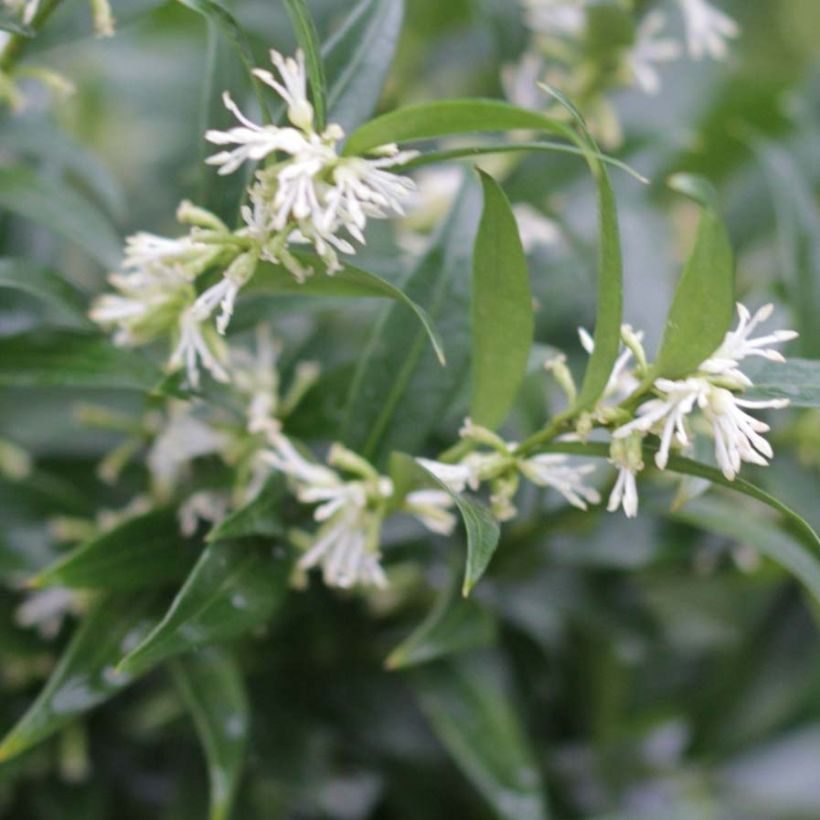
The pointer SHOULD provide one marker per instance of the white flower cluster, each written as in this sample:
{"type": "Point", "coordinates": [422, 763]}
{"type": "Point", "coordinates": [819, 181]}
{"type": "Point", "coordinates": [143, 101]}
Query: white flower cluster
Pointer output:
{"type": "Point", "coordinates": [350, 511]}
{"type": "Point", "coordinates": [308, 194]}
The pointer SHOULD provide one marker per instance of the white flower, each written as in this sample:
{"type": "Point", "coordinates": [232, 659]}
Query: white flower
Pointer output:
{"type": "Point", "coordinates": [46, 609]}
{"type": "Point", "coordinates": [562, 18]}
{"type": "Point", "coordinates": [224, 292]}
{"type": "Point", "coordinates": [183, 255]}
{"type": "Point", "coordinates": [623, 380]}
{"type": "Point", "coordinates": [292, 89]}
{"type": "Point", "coordinates": [650, 49]}
{"type": "Point", "coordinates": [205, 505]}
{"type": "Point", "coordinates": [625, 455]}
{"type": "Point", "coordinates": [432, 508]}
{"type": "Point", "coordinates": [198, 344]}
{"type": "Point", "coordinates": [707, 29]}
{"type": "Point", "coordinates": [554, 470]}
{"type": "Point", "coordinates": [457, 477]}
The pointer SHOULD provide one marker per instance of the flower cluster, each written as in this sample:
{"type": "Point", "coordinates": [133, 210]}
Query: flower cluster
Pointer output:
{"type": "Point", "coordinates": [307, 194]}
{"type": "Point", "coordinates": [559, 56]}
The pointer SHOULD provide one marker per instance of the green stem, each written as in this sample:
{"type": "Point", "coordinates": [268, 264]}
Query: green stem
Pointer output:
{"type": "Point", "coordinates": [17, 43]}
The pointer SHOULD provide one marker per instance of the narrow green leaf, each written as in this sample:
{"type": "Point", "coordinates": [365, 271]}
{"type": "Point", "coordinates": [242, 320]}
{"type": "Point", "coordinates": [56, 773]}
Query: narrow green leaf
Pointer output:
{"type": "Point", "coordinates": [350, 282]}
{"type": "Point", "coordinates": [686, 466]}
{"type": "Point", "coordinates": [18, 274]}
{"type": "Point", "coordinates": [258, 517]}
{"type": "Point", "coordinates": [58, 207]}
{"type": "Point", "coordinates": [797, 380]}
{"type": "Point", "coordinates": [454, 625]}
{"type": "Point", "coordinates": [357, 59]}
{"type": "Point", "coordinates": [85, 676]}
{"type": "Point", "coordinates": [141, 552]}
{"type": "Point", "coordinates": [69, 359]}
{"type": "Point", "coordinates": [502, 314]}
{"type": "Point", "coordinates": [719, 516]}
{"type": "Point", "coordinates": [471, 712]}
{"type": "Point", "coordinates": [702, 308]}
{"type": "Point", "coordinates": [14, 27]}
{"type": "Point", "coordinates": [232, 588]}
{"type": "Point", "coordinates": [308, 40]}
{"type": "Point", "coordinates": [399, 392]}
{"type": "Point", "coordinates": [482, 529]}
{"type": "Point", "coordinates": [212, 687]}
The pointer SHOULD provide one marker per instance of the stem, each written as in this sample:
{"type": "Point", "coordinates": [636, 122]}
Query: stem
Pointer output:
{"type": "Point", "coordinates": [17, 43]}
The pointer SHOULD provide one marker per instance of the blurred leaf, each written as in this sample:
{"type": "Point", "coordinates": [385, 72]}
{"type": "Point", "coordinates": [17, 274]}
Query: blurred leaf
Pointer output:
{"type": "Point", "coordinates": [472, 715]}
{"type": "Point", "coordinates": [15, 27]}
{"type": "Point", "coordinates": [211, 685]}
{"type": "Point", "coordinates": [797, 380]}
{"type": "Point", "coordinates": [350, 282]}
{"type": "Point", "coordinates": [143, 551]}
{"type": "Point", "coordinates": [258, 517]}
{"type": "Point", "coordinates": [85, 675]}
{"type": "Point", "coordinates": [502, 313]}
{"type": "Point", "coordinates": [358, 57]}
{"type": "Point", "coordinates": [308, 41]}
{"type": "Point", "coordinates": [69, 359]}
{"type": "Point", "coordinates": [702, 309]}
{"type": "Point", "coordinates": [453, 625]}
{"type": "Point", "coordinates": [232, 588]}
{"type": "Point", "coordinates": [719, 516]}
{"type": "Point", "coordinates": [482, 529]}
{"type": "Point", "coordinates": [43, 283]}
{"type": "Point", "coordinates": [58, 207]}
{"type": "Point", "coordinates": [399, 392]}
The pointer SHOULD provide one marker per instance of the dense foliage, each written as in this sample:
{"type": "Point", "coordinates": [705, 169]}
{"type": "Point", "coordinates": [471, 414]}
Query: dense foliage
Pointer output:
{"type": "Point", "coordinates": [390, 398]}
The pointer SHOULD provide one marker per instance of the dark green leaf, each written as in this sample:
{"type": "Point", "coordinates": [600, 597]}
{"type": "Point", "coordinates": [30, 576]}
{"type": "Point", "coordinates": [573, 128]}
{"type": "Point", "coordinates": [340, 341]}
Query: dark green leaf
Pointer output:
{"type": "Point", "coordinates": [350, 282]}
{"type": "Point", "coordinates": [212, 687]}
{"type": "Point", "coordinates": [257, 517]}
{"type": "Point", "coordinates": [141, 552]}
{"type": "Point", "coordinates": [69, 359]}
{"type": "Point", "coordinates": [357, 58]}
{"type": "Point", "coordinates": [471, 713]}
{"type": "Point", "coordinates": [718, 515]}
{"type": "Point", "coordinates": [482, 529]}
{"type": "Point", "coordinates": [309, 42]}
{"type": "Point", "coordinates": [702, 308]}
{"type": "Point", "coordinates": [233, 588]}
{"type": "Point", "coordinates": [502, 315]}
{"type": "Point", "coordinates": [85, 675]}
{"type": "Point", "coordinates": [54, 205]}
{"type": "Point", "coordinates": [44, 284]}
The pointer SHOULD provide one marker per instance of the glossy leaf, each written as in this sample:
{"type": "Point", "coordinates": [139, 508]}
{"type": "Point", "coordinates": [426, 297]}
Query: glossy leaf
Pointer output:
{"type": "Point", "coordinates": [481, 527]}
{"type": "Point", "coordinates": [70, 359]}
{"type": "Point", "coordinates": [357, 59]}
{"type": "Point", "coordinates": [211, 685]}
{"type": "Point", "coordinates": [470, 711]}
{"type": "Point", "coordinates": [797, 380]}
{"type": "Point", "coordinates": [85, 676]}
{"type": "Point", "coordinates": [58, 207]}
{"type": "Point", "coordinates": [703, 305]}
{"type": "Point", "coordinates": [142, 552]}
{"type": "Point", "coordinates": [350, 282]}
{"type": "Point", "coordinates": [46, 285]}
{"type": "Point", "coordinates": [719, 516]}
{"type": "Point", "coordinates": [399, 392]}
{"type": "Point", "coordinates": [502, 313]}
{"type": "Point", "coordinates": [232, 588]}
{"type": "Point", "coordinates": [258, 517]}
{"type": "Point", "coordinates": [454, 625]}
{"type": "Point", "coordinates": [309, 43]}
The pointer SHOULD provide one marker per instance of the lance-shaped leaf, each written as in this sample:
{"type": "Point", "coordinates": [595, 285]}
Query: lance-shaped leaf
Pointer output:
{"type": "Point", "coordinates": [46, 285]}
{"type": "Point", "coordinates": [232, 588]}
{"type": "Point", "coordinates": [771, 541]}
{"type": "Point", "coordinates": [502, 315]}
{"type": "Point", "coordinates": [309, 43]}
{"type": "Point", "coordinates": [469, 709]}
{"type": "Point", "coordinates": [450, 117]}
{"type": "Point", "coordinates": [350, 282]}
{"type": "Point", "coordinates": [85, 676]}
{"type": "Point", "coordinates": [357, 58]}
{"type": "Point", "coordinates": [482, 529]}
{"type": "Point", "coordinates": [58, 207]}
{"type": "Point", "coordinates": [702, 307]}
{"type": "Point", "coordinates": [69, 359]}
{"type": "Point", "coordinates": [258, 517]}
{"type": "Point", "coordinates": [455, 624]}
{"type": "Point", "coordinates": [797, 380]}
{"type": "Point", "coordinates": [141, 552]}
{"type": "Point", "coordinates": [211, 685]}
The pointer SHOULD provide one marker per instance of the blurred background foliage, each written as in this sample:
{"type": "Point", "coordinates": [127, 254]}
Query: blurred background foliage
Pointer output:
{"type": "Point", "coordinates": [655, 668]}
